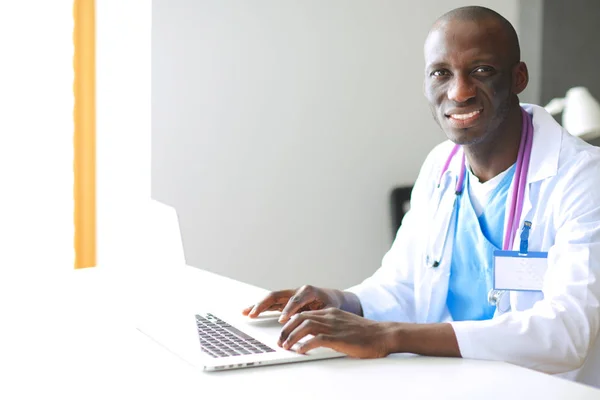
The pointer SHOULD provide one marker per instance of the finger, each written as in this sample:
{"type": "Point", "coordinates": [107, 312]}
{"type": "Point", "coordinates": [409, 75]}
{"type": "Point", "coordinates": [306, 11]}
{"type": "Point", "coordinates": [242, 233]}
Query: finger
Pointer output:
{"type": "Point", "coordinates": [322, 312]}
{"type": "Point", "coordinates": [247, 310]}
{"type": "Point", "coordinates": [294, 322]}
{"type": "Point", "coordinates": [274, 307]}
{"type": "Point", "coordinates": [272, 299]}
{"type": "Point", "coordinates": [308, 327]}
{"type": "Point", "coordinates": [320, 340]}
{"type": "Point", "coordinates": [326, 312]}
{"type": "Point", "coordinates": [301, 298]}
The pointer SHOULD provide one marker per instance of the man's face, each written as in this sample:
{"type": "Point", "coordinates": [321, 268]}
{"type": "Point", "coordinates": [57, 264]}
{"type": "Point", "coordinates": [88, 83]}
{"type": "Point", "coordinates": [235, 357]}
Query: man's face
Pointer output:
{"type": "Point", "coordinates": [468, 79]}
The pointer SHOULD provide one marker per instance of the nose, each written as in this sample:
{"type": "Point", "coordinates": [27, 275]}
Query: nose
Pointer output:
{"type": "Point", "coordinates": [461, 90]}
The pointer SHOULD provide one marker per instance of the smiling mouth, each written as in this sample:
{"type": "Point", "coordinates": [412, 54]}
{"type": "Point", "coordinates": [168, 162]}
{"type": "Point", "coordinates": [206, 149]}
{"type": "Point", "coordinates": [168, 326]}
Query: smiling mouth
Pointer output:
{"type": "Point", "coordinates": [462, 117]}
{"type": "Point", "coordinates": [464, 120]}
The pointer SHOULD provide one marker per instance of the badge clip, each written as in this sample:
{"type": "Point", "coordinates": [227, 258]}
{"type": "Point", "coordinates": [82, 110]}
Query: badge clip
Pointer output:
{"type": "Point", "coordinates": [523, 249]}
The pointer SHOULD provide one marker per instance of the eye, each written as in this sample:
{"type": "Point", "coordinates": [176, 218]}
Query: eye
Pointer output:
{"type": "Point", "coordinates": [484, 69]}
{"type": "Point", "coordinates": [439, 73]}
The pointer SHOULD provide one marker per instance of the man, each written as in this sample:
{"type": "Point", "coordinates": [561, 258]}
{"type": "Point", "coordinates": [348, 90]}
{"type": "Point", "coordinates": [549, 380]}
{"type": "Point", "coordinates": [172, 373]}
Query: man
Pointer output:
{"type": "Point", "coordinates": [430, 296]}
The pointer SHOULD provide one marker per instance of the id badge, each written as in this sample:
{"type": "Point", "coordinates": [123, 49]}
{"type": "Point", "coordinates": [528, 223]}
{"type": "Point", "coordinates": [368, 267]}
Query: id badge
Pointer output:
{"type": "Point", "coordinates": [514, 270]}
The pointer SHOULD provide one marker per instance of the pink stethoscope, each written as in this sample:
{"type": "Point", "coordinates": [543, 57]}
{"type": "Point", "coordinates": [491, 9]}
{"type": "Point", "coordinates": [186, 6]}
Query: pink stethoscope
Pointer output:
{"type": "Point", "coordinates": [516, 205]}
{"type": "Point", "coordinates": [522, 167]}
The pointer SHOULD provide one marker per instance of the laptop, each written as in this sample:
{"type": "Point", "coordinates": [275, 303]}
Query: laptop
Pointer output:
{"type": "Point", "coordinates": [210, 337]}
{"type": "Point", "coordinates": [214, 342]}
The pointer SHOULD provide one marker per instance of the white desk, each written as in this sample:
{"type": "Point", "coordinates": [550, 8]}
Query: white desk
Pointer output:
{"type": "Point", "coordinates": [80, 342]}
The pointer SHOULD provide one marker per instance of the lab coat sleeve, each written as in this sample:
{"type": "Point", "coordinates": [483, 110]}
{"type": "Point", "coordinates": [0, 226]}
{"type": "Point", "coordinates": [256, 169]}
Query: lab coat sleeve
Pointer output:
{"type": "Point", "coordinates": [388, 294]}
{"type": "Point", "coordinates": [555, 335]}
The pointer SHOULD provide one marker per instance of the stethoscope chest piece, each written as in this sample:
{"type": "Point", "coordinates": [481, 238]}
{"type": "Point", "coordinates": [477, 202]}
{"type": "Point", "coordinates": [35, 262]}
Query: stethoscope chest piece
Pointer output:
{"type": "Point", "coordinates": [496, 297]}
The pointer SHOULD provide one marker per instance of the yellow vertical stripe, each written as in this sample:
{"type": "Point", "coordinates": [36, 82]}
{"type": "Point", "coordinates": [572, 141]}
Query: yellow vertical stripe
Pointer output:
{"type": "Point", "coordinates": [84, 114]}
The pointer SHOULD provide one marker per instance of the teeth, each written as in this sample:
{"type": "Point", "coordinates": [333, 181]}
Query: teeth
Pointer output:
{"type": "Point", "coordinates": [465, 116]}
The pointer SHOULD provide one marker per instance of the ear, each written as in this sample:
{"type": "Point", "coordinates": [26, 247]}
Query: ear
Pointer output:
{"type": "Point", "coordinates": [520, 77]}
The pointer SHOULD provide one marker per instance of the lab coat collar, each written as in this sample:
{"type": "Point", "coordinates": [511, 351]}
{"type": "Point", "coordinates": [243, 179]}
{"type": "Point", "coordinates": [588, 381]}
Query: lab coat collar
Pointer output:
{"type": "Point", "coordinates": [547, 134]}
{"type": "Point", "coordinates": [547, 137]}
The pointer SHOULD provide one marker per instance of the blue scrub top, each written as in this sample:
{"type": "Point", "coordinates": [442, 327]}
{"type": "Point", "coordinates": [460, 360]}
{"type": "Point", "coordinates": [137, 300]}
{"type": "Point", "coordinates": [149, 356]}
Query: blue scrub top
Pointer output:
{"type": "Point", "coordinates": [476, 238]}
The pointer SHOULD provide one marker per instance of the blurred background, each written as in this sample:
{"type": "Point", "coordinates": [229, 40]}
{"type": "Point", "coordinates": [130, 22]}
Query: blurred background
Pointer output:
{"type": "Point", "coordinates": [281, 128]}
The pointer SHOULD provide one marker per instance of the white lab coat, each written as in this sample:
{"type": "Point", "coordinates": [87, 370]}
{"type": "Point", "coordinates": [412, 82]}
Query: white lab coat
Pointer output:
{"type": "Point", "coordinates": [551, 331]}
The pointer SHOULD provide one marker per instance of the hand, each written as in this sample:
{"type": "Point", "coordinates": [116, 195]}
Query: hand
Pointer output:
{"type": "Point", "coordinates": [339, 330]}
{"type": "Point", "coordinates": [293, 301]}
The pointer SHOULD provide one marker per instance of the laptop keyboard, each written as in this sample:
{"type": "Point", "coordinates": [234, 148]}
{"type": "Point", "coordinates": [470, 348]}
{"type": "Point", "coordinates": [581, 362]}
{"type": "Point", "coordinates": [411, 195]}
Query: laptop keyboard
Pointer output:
{"type": "Point", "coordinates": [219, 339]}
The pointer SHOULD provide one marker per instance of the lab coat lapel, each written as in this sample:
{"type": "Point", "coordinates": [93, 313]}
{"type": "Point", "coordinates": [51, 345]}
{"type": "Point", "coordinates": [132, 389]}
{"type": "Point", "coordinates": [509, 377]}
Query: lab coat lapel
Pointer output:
{"type": "Point", "coordinates": [433, 287]}
{"type": "Point", "coordinates": [547, 140]}
{"type": "Point", "coordinates": [545, 152]}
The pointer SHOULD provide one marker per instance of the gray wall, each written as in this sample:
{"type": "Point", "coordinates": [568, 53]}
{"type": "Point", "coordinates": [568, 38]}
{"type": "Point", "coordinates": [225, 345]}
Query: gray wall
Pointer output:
{"type": "Point", "coordinates": [558, 41]}
{"type": "Point", "coordinates": [530, 31]}
{"type": "Point", "coordinates": [570, 49]}
{"type": "Point", "coordinates": [279, 128]}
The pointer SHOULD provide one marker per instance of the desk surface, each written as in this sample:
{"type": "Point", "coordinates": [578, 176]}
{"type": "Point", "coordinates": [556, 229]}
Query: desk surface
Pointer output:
{"type": "Point", "coordinates": [80, 342]}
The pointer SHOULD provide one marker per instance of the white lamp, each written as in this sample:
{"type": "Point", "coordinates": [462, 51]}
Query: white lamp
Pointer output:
{"type": "Point", "coordinates": [581, 113]}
